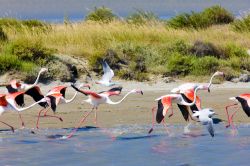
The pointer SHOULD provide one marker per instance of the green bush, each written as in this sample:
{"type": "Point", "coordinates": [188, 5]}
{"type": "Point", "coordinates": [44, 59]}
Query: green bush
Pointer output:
{"type": "Point", "coordinates": [205, 66]}
{"type": "Point", "coordinates": [242, 25]}
{"type": "Point", "coordinates": [218, 15]}
{"type": "Point", "coordinates": [178, 64]}
{"type": "Point", "coordinates": [29, 50]}
{"type": "Point", "coordinates": [18, 24]}
{"type": "Point", "coordinates": [232, 50]}
{"type": "Point", "coordinates": [142, 17]}
{"type": "Point", "coordinates": [3, 36]}
{"type": "Point", "coordinates": [102, 14]}
{"type": "Point", "coordinates": [210, 16]}
{"type": "Point", "coordinates": [9, 62]}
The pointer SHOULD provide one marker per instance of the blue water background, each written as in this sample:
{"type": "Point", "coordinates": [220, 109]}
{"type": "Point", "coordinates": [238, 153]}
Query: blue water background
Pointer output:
{"type": "Point", "coordinates": [132, 147]}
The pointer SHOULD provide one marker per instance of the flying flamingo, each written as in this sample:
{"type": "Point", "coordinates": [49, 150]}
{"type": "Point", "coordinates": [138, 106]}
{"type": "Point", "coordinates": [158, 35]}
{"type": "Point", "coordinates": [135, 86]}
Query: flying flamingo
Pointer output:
{"type": "Point", "coordinates": [165, 103]}
{"type": "Point", "coordinates": [95, 99]}
{"type": "Point", "coordinates": [55, 97]}
{"type": "Point", "coordinates": [188, 91]}
{"type": "Point", "coordinates": [244, 100]}
{"type": "Point", "coordinates": [108, 74]}
{"type": "Point", "coordinates": [11, 101]}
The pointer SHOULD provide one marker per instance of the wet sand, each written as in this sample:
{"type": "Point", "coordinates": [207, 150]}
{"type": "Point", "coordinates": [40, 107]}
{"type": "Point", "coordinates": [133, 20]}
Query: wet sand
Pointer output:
{"type": "Point", "coordinates": [135, 109]}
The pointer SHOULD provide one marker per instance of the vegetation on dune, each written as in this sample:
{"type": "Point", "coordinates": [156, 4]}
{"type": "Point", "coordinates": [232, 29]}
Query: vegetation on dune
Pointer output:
{"type": "Point", "coordinates": [196, 20]}
{"type": "Point", "coordinates": [242, 24]}
{"type": "Point", "coordinates": [102, 14]}
{"type": "Point", "coordinates": [195, 44]}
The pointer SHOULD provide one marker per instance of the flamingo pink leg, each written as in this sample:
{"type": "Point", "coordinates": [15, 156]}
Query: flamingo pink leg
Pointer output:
{"type": "Point", "coordinates": [153, 120]}
{"type": "Point", "coordinates": [231, 119]}
{"type": "Point", "coordinates": [11, 127]}
{"type": "Point", "coordinates": [104, 129]}
{"type": "Point", "coordinates": [79, 124]}
{"type": "Point", "coordinates": [164, 124]}
{"type": "Point", "coordinates": [172, 112]}
{"type": "Point", "coordinates": [95, 120]}
{"type": "Point", "coordinates": [20, 117]}
{"type": "Point", "coordinates": [228, 118]}
{"type": "Point", "coordinates": [39, 114]}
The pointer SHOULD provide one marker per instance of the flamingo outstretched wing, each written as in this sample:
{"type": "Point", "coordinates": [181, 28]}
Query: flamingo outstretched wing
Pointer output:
{"type": "Point", "coordinates": [87, 92]}
{"type": "Point", "coordinates": [108, 72]}
{"type": "Point", "coordinates": [112, 91]}
{"type": "Point", "coordinates": [36, 94]}
{"type": "Point", "coordinates": [184, 111]}
{"type": "Point", "coordinates": [163, 105]}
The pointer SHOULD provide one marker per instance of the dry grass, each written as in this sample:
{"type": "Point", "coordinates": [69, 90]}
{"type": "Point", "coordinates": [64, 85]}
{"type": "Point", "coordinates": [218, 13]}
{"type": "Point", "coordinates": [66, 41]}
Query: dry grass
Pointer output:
{"type": "Point", "coordinates": [90, 38]}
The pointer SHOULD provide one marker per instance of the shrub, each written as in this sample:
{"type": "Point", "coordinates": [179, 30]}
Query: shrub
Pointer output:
{"type": "Point", "coordinates": [3, 36]}
{"type": "Point", "coordinates": [142, 17]}
{"type": "Point", "coordinates": [204, 19]}
{"type": "Point", "coordinates": [218, 15]}
{"type": "Point", "coordinates": [179, 65]}
{"type": "Point", "coordinates": [242, 25]}
{"type": "Point", "coordinates": [205, 65]}
{"type": "Point", "coordinates": [232, 50]}
{"type": "Point", "coordinates": [29, 50]}
{"type": "Point", "coordinates": [102, 14]}
{"type": "Point", "coordinates": [9, 62]}
{"type": "Point", "coordinates": [201, 49]}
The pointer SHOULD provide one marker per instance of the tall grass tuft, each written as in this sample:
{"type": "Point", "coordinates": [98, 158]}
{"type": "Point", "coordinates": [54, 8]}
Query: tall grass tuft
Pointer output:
{"type": "Point", "coordinates": [242, 25]}
{"type": "Point", "coordinates": [142, 17]}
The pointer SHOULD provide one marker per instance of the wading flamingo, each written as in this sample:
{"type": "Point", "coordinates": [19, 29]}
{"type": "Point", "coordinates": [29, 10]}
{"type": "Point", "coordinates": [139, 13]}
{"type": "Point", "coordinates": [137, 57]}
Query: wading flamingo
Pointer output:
{"type": "Point", "coordinates": [188, 90]}
{"type": "Point", "coordinates": [55, 97]}
{"type": "Point", "coordinates": [165, 103]}
{"type": "Point", "coordinates": [95, 99]}
{"type": "Point", "coordinates": [205, 117]}
{"type": "Point", "coordinates": [10, 101]}
{"type": "Point", "coordinates": [108, 74]}
{"type": "Point", "coordinates": [244, 101]}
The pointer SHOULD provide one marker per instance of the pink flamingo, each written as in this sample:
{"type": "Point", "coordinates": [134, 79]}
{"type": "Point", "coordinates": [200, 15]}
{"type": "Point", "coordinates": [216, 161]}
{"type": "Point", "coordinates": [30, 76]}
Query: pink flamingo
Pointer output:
{"type": "Point", "coordinates": [165, 103]}
{"type": "Point", "coordinates": [244, 101]}
{"type": "Point", "coordinates": [187, 90]}
{"type": "Point", "coordinates": [95, 99]}
{"type": "Point", "coordinates": [29, 89]}
{"type": "Point", "coordinates": [55, 97]}
{"type": "Point", "coordinates": [9, 102]}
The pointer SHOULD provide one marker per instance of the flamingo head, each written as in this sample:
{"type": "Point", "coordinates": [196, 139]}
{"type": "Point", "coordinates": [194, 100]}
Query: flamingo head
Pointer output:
{"type": "Point", "coordinates": [219, 73]}
{"type": "Point", "coordinates": [87, 86]}
{"type": "Point", "coordinates": [137, 91]}
{"type": "Point", "coordinates": [43, 70]}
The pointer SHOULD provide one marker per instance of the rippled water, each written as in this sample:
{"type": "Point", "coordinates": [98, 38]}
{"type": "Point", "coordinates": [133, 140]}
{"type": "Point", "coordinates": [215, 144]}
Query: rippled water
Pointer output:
{"type": "Point", "coordinates": [132, 146]}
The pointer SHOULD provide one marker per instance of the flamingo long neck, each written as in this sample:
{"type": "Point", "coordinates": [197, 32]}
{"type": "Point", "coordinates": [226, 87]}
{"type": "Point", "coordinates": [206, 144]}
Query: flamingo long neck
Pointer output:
{"type": "Point", "coordinates": [118, 102]}
{"type": "Point", "coordinates": [190, 104]}
{"type": "Point", "coordinates": [25, 108]}
{"type": "Point", "coordinates": [70, 100]}
{"type": "Point", "coordinates": [37, 79]}
{"type": "Point", "coordinates": [211, 80]}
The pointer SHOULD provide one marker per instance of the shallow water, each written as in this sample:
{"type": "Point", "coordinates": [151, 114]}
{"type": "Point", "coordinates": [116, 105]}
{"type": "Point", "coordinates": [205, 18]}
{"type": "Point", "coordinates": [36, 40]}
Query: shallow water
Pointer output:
{"type": "Point", "coordinates": [132, 146]}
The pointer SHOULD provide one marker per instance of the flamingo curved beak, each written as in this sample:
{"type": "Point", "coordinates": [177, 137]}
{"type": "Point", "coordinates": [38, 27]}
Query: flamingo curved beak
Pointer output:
{"type": "Point", "coordinates": [208, 90]}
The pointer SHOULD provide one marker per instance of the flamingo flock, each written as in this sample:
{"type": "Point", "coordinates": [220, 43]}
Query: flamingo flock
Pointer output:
{"type": "Point", "coordinates": [184, 96]}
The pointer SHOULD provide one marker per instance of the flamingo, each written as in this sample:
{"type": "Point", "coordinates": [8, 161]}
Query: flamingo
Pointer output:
{"type": "Point", "coordinates": [55, 97]}
{"type": "Point", "coordinates": [107, 76]}
{"type": "Point", "coordinates": [188, 91]}
{"type": "Point", "coordinates": [95, 99]}
{"type": "Point", "coordinates": [15, 85]}
{"type": "Point", "coordinates": [165, 103]}
{"type": "Point", "coordinates": [244, 101]}
{"type": "Point", "coordinates": [11, 101]}
{"type": "Point", "coordinates": [205, 117]}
